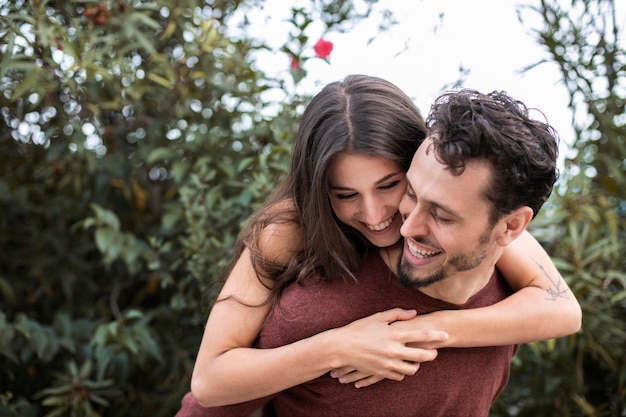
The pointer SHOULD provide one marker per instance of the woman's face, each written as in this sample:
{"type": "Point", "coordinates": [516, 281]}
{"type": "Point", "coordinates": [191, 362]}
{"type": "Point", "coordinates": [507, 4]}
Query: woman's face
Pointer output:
{"type": "Point", "coordinates": [365, 192]}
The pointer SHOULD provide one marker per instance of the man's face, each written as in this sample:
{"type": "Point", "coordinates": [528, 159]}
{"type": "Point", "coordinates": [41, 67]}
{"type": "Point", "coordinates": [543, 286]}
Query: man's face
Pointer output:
{"type": "Point", "coordinates": [446, 221]}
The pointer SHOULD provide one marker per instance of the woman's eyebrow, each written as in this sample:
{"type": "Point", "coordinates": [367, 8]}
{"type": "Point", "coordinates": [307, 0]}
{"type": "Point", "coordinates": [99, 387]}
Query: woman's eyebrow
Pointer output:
{"type": "Point", "coordinates": [386, 177]}
{"type": "Point", "coordinates": [383, 179]}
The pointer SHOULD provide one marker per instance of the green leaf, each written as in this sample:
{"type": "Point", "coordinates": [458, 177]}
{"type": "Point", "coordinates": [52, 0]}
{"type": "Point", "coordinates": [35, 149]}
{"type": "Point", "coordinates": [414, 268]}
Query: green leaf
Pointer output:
{"type": "Point", "coordinates": [160, 154]}
{"type": "Point", "coordinates": [54, 401]}
{"type": "Point", "coordinates": [133, 314]}
{"type": "Point", "coordinates": [29, 83]}
{"type": "Point", "coordinates": [138, 19]}
{"type": "Point", "coordinates": [105, 239]}
{"type": "Point", "coordinates": [106, 217]}
{"type": "Point", "coordinates": [162, 81]}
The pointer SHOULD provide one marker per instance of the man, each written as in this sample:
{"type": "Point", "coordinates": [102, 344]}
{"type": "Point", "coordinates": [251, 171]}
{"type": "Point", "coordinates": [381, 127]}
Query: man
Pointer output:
{"type": "Point", "coordinates": [474, 185]}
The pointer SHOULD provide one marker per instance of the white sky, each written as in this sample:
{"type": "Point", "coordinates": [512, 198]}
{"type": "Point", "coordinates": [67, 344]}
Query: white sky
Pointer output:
{"type": "Point", "coordinates": [423, 53]}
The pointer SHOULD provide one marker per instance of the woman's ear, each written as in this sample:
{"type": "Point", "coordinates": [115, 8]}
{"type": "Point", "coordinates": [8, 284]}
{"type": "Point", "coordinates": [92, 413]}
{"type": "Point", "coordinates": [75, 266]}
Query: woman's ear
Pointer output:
{"type": "Point", "coordinates": [514, 224]}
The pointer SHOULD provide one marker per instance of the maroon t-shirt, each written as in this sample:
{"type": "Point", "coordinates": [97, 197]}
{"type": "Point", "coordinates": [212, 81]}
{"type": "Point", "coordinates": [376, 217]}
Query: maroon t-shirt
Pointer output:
{"type": "Point", "coordinates": [460, 382]}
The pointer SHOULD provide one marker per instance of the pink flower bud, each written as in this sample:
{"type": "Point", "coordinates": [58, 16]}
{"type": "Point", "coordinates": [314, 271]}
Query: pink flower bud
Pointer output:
{"type": "Point", "coordinates": [295, 63]}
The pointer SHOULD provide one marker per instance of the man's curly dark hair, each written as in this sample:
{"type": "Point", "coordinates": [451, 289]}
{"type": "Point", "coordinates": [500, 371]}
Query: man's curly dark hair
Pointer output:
{"type": "Point", "coordinates": [467, 125]}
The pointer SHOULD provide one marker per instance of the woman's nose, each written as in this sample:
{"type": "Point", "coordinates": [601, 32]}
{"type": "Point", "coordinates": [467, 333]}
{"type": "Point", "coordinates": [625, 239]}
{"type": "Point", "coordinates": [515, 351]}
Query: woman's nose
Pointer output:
{"type": "Point", "coordinates": [374, 212]}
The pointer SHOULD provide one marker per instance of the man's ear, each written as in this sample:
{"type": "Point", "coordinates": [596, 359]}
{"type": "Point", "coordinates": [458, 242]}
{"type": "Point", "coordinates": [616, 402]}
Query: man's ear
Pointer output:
{"type": "Point", "coordinates": [514, 224]}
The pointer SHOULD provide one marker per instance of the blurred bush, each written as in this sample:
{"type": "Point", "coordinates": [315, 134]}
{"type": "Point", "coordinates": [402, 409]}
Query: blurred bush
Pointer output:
{"type": "Point", "coordinates": [135, 140]}
{"type": "Point", "coordinates": [137, 136]}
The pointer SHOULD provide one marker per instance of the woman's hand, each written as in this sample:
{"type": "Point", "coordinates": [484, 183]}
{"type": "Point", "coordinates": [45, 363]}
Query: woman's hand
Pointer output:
{"type": "Point", "coordinates": [376, 351]}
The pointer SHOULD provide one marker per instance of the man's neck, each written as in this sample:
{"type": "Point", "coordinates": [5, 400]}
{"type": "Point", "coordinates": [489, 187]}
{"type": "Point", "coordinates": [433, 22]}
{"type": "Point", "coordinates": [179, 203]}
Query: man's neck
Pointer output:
{"type": "Point", "coordinates": [460, 287]}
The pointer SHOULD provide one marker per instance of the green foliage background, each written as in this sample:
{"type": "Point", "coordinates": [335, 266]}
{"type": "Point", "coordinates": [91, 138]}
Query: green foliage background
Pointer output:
{"type": "Point", "coordinates": [135, 140]}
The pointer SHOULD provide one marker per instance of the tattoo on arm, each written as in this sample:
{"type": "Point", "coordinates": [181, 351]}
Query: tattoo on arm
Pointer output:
{"type": "Point", "coordinates": [557, 289]}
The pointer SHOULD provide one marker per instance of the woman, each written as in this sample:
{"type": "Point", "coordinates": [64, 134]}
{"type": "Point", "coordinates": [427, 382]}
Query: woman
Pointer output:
{"type": "Point", "coordinates": [298, 235]}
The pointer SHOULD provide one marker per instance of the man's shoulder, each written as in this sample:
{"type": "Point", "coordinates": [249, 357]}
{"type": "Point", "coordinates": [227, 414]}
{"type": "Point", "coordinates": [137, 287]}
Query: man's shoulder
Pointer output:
{"type": "Point", "coordinates": [496, 290]}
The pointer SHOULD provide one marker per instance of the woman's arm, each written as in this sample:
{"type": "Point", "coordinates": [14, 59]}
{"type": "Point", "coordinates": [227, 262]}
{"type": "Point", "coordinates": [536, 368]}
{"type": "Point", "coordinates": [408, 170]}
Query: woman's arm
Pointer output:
{"type": "Point", "coordinates": [228, 371]}
{"type": "Point", "coordinates": [542, 307]}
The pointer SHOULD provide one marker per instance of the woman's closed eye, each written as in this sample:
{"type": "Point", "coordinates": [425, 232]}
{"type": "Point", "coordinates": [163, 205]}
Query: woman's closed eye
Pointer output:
{"type": "Point", "coordinates": [389, 186]}
{"type": "Point", "coordinates": [346, 196]}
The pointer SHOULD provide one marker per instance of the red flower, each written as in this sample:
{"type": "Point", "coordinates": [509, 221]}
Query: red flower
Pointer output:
{"type": "Point", "coordinates": [323, 48]}
{"type": "Point", "coordinates": [295, 63]}
{"type": "Point", "coordinates": [98, 14]}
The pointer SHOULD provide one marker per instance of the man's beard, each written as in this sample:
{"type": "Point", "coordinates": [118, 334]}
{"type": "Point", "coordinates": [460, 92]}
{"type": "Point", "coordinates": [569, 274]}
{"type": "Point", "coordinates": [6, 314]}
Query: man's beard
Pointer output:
{"type": "Point", "coordinates": [457, 263]}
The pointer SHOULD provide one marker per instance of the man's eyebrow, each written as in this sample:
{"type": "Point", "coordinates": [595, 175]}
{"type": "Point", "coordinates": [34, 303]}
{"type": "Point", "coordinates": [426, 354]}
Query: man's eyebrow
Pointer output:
{"type": "Point", "coordinates": [441, 206]}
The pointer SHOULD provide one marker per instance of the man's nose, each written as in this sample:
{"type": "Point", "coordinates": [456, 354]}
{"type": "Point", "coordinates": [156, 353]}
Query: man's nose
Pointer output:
{"type": "Point", "coordinates": [415, 223]}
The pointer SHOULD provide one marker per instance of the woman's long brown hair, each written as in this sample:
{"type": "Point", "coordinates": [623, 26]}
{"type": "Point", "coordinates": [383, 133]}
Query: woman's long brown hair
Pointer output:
{"type": "Point", "coordinates": [360, 115]}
